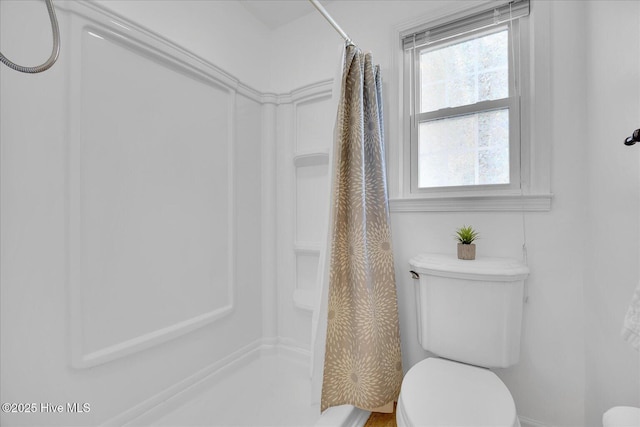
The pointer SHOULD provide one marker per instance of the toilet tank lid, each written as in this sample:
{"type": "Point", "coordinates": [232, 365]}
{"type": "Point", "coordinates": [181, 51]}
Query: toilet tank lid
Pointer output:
{"type": "Point", "coordinates": [482, 268]}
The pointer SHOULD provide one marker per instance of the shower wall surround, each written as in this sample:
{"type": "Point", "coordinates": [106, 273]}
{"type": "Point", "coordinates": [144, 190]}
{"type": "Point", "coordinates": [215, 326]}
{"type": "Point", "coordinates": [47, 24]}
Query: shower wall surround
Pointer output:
{"type": "Point", "coordinates": [305, 127]}
{"type": "Point", "coordinates": [131, 209]}
{"type": "Point", "coordinates": [152, 189]}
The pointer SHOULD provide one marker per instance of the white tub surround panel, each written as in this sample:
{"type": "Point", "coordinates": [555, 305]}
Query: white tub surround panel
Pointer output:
{"type": "Point", "coordinates": [124, 206]}
{"type": "Point", "coordinates": [161, 167]}
{"type": "Point", "coordinates": [215, 31]}
{"type": "Point", "coordinates": [305, 133]}
{"type": "Point", "coordinates": [151, 192]}
{"type": "Point", "coordinates": [269, 218]}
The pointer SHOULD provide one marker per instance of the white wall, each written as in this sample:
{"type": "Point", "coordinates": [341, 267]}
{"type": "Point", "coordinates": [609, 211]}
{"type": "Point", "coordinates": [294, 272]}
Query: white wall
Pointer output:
{"type": "Point", "coordinates": [562, 367]}
{"type": "Point", "coordinates": [613, 112]}
{"type": "Point", "coordinates": [38, 152]}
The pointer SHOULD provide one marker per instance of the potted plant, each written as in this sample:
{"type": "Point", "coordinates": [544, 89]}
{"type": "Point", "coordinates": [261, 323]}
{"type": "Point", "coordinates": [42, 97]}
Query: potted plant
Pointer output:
{"type": "Point", "coordinates": [466, 248]}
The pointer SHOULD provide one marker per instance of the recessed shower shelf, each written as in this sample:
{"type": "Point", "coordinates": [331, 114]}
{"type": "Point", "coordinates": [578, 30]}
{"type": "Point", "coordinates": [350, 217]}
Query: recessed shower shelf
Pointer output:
{"type": "Point", "coordinates": [311, 158]}
{"type": "Point", "coordinates": [304, 299]}
{"type": "Point", "coordinates": [306, 248]}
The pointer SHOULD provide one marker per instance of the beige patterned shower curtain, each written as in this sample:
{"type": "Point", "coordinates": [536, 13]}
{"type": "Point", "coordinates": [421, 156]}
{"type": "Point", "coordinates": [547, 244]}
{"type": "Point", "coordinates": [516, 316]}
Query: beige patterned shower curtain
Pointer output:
{"type": "Point", "coordinates": [363, 363]}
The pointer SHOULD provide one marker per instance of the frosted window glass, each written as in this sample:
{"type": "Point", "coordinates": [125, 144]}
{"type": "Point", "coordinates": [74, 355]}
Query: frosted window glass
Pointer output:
{"type": "Point", "coordinates": [472, 149]}
{"type": "Point", "coordinates": [465, 73]}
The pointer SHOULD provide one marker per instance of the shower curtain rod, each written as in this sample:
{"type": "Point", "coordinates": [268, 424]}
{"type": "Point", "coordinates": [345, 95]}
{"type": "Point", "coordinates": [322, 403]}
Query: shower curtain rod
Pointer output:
{"type": "Point", "coordinates": [331, 21]}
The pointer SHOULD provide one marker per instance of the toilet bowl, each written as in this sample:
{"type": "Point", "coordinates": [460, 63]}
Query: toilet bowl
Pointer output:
{"type": "Point", "coordinates": [439, 392]}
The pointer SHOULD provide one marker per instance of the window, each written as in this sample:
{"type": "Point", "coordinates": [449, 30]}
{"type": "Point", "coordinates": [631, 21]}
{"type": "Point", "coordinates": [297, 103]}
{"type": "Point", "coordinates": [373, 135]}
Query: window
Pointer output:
{"type": "Point", "coordinates": [462, 94]}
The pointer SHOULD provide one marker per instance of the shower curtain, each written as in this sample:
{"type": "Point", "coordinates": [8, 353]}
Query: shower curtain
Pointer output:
{"type": "Point", "coordinates": [362, 361]}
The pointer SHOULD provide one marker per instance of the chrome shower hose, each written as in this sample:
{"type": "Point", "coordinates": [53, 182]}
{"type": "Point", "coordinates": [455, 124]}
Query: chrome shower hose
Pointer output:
{"type": "Point", "coordinates": [54, 53]}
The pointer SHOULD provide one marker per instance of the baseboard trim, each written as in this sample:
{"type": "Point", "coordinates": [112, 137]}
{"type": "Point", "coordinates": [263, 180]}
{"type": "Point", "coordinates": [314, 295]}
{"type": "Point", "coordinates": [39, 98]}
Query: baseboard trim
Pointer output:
{"type": "Point", "coordinates": [293, 350]}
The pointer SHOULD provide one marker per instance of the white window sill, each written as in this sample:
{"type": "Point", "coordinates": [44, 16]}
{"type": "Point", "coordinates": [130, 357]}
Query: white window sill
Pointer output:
{"type": "Point", "coordinates": [484, 203]}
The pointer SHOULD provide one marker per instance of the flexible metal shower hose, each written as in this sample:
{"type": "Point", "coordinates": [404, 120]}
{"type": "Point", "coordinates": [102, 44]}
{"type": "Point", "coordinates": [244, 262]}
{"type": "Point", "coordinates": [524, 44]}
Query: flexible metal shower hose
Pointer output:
{"type": "Point", "coordinates": [54, 54]}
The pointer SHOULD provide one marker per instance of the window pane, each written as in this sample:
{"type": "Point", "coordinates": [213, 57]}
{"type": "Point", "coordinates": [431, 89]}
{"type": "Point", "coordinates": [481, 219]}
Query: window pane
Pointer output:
{"type": "Point", "coordinates": [465, 150]}
{"type": "Point", "coordinates": [465, 73]}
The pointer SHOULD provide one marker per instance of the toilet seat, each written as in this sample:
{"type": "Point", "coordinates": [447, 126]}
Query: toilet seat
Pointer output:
{"type": "Point", "coordinates": [438, 392]}
{"type": "Point", "coordinates": [621, 416]}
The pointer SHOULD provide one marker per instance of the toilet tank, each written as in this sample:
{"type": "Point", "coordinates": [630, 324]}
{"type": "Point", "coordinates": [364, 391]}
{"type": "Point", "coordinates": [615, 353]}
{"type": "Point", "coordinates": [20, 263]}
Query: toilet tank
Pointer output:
{"type": "Point", "coordinates": [470, 311]}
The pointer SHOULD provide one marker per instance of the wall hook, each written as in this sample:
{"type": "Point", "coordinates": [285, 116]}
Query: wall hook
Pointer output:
{"type": "Point", "coordinates": [635, 137]}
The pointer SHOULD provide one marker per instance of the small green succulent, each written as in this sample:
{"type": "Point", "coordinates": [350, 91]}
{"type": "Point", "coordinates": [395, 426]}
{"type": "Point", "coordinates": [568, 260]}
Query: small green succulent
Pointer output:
{"type": "Point", "coordinates": [466, 235]}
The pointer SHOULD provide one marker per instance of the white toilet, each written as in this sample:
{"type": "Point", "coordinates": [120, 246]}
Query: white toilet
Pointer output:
{"type": "Point", "coordinates": [469, 315]}
{"type": "Point", "coordinates": [621, 416]}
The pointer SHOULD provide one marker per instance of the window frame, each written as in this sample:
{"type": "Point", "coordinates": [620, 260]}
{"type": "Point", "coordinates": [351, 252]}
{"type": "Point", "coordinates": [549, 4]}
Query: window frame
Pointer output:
{"type": "Point", "coordinates": [412, 85]}
{"type": "Point", "coordinates": [535, 193]}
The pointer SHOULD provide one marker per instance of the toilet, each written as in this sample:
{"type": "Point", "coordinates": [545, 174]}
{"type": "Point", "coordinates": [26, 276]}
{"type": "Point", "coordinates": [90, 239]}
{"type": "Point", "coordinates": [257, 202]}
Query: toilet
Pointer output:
{"type": "Point", "coordinates": [621, 416]}
{"type": "Point", "coordinates": [469, 315]}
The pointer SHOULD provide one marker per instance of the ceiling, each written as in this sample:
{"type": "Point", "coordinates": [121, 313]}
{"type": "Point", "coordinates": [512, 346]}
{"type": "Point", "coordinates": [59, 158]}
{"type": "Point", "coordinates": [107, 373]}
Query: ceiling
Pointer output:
{"type": "Point", "coordinates": [275, 13]}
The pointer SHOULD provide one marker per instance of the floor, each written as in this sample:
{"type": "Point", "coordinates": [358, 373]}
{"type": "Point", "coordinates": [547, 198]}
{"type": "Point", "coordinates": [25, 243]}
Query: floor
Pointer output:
{"type": "Point", "coordinates": [378, 419]}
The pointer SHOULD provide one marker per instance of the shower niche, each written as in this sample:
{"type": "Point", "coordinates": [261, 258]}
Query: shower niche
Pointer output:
{"type": "Point", "coordinates": [306, 133]}
{"type": "Point", "coordinates": [313, 136]}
